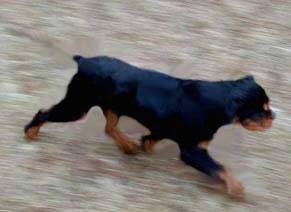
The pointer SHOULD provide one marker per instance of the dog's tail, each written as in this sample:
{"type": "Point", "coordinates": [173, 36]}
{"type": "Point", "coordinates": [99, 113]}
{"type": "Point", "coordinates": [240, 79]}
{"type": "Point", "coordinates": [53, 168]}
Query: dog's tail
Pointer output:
{"type": "Point", "coordinates": [77, 58]}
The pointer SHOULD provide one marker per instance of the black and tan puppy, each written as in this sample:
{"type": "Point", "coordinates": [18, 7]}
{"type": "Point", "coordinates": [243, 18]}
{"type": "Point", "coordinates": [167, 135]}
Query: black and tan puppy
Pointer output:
{"type": "Point", "coordinates": [186, 111]}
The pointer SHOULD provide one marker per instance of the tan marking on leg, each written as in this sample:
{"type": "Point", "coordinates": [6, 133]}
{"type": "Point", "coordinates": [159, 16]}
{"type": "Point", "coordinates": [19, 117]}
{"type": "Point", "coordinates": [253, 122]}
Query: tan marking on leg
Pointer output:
{"type": "Point", "coordinates": [234, 187]}
{"type": "Point", "coordinates": [32, 132]}
{"type": "Point", "coordinates": [121, 140]}
{"type": "Point", "coordinates": [148, 145]}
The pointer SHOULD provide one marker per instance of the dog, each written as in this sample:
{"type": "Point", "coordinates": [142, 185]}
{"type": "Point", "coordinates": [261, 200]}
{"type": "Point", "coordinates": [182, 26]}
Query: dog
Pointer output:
{"type": "Point", "coordinates": [186, 111]}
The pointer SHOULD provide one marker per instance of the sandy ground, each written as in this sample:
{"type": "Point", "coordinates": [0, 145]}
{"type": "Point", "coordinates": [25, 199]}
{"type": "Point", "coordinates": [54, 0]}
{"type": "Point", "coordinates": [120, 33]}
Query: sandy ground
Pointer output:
{"type": "Point", "coordinates": [75, 167]}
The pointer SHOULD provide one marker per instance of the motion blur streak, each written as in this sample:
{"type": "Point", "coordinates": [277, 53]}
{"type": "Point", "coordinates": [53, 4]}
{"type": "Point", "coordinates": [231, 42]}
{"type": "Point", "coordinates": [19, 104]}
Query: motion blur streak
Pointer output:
{"type": "Point", "coordinates": [75, 166]}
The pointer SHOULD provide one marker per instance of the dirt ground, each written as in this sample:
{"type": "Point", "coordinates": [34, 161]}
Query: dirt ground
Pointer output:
{"type": "Point", "coordinates": [75, 167]}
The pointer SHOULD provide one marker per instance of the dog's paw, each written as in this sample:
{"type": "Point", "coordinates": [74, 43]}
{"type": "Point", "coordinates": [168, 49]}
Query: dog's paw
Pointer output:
{"type": "Point", "coordinates": [235, 188]}
{"type": "Point", "coordinates": [32, 132]}
{"type": "Point", "coordinates": [130, 148]}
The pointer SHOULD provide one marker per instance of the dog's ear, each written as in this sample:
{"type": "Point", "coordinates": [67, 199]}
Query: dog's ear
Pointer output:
{"type": "Point", "coordinates": [235, 101]}
{"type": "Point", "coordinates": [245, 85]}
{"type": "Point", "coordinates": [240, 93]}
{"type": "Point", "coordinates": [234, 105]}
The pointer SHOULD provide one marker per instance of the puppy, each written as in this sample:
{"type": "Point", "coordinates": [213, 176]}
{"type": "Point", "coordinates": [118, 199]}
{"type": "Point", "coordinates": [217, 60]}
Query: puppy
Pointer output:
{"type": "Point", "coordinates": [189, 112]}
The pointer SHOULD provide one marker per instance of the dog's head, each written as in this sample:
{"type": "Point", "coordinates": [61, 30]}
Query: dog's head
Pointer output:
{"type": "Point", "coordinates": [253, 111]}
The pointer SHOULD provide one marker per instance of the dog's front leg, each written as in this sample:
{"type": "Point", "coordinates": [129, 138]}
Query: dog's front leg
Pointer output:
{"type": "Point", "coordinates": [199, 158]}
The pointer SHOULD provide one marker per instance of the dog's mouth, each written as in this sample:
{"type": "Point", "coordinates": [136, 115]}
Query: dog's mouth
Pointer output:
{"type": "Point", "coordinates": [257, 125]}
{"type": "Point", "coordinates": [259, 121]}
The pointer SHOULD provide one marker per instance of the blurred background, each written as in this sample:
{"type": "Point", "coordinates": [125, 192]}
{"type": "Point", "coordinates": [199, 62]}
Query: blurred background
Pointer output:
{"type": "Point", "coordinates": [75, 167]}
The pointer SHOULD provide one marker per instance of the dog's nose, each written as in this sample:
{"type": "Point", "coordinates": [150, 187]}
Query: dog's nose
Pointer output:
{"type": "Point", "coordinates": [273, 115]}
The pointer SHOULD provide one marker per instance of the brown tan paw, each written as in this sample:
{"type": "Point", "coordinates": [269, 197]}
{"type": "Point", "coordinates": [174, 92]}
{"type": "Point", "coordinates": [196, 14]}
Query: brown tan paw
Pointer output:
{"type": "Point", "coordinates": [234, 187]}
{"type": "Point", "coordinates": [129, 148]}
{"type": "Point", "coordinates": [32, 133]}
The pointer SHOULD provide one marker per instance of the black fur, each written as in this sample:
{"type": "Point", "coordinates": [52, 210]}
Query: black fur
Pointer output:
{"type": "Point", "coordinates": [185, 111]}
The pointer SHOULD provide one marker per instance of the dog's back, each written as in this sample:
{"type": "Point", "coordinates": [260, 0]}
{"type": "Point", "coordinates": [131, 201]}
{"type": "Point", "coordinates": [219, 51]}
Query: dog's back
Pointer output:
{"type": "Point", "coordinates": [104, 67]}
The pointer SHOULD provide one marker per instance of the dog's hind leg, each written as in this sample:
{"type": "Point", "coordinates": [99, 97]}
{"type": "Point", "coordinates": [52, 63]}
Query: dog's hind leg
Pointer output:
{"type": "Point", "coordinates": [73, 107]}
{"type": "Point", "coordinates": [121, 140]}
{"type": "Point", "coordinates": [64, 111]}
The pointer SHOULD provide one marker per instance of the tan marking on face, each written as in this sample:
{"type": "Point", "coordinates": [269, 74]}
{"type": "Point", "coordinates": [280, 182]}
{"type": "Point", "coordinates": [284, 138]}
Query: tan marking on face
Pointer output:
{"type": "Point", "coordinates": [267, 123]}
{"type": "Point", "coordinates": [203, 144]}
{"type": "Point", "coordinates": [257, 126]}
{"type": "Point", "coordinates": [253, 126]}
